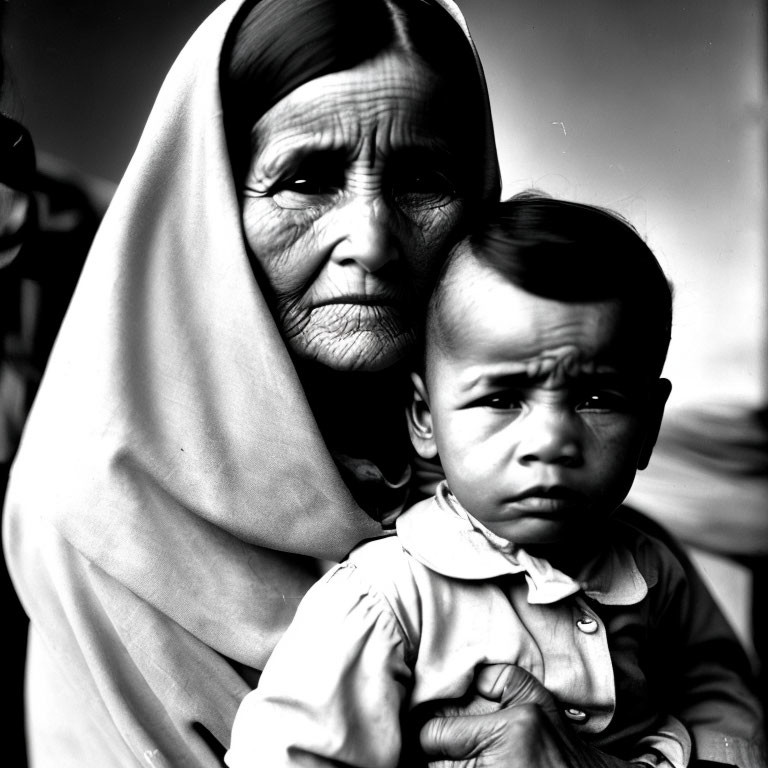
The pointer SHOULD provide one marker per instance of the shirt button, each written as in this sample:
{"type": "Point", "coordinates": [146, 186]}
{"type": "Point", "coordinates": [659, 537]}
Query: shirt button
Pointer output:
{"type": "Point", "coordinates": [587, 625]}
{"type": "Point", "coordinates": [576, 715]}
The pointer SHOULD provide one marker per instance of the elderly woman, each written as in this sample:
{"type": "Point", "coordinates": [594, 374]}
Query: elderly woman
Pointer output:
{"type": "Point", "coordinates": [222, 410]}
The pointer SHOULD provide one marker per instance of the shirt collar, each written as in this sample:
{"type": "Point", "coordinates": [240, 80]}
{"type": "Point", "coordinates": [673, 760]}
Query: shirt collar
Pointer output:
{"type": "Point", "coordinates": [443, 536]}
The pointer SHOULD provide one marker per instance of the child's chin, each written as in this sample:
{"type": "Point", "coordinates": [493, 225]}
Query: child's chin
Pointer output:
{"type": "Point", "coordinates": [533, 533]}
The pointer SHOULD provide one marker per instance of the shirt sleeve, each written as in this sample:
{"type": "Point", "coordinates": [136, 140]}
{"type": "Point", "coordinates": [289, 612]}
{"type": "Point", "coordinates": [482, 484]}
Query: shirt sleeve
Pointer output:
{"type": "Point", "coordinates": [703, 672]}
{"type": "Point", "coordinates": [333, 690]}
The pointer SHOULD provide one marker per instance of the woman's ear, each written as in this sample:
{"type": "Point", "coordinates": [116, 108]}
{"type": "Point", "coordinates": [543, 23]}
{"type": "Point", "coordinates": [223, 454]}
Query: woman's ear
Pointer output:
{"type": "Point", "coordinates": [420, 420]}
{"type": "Point", "coordinates": [653, 416]}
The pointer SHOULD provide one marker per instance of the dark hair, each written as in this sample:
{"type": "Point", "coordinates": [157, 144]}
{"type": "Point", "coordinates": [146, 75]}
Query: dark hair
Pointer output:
{"type": "Point", "coordinates": [569, 252]}
{"type": "Point", "coordinates": [274, 46]}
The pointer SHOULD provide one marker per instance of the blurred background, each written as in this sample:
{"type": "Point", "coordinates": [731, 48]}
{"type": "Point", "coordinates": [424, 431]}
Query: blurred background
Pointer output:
{"type": "Point", "coordinates": [655, 108]}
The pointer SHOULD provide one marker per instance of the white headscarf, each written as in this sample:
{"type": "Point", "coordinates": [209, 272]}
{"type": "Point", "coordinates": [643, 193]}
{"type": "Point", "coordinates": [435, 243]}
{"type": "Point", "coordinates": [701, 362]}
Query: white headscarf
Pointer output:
{"type": "Point", "coordinates": [172, 491]}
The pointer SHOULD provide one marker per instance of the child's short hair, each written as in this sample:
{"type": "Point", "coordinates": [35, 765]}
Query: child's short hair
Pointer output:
{"type": "Point", "coordinates": [570, 252]}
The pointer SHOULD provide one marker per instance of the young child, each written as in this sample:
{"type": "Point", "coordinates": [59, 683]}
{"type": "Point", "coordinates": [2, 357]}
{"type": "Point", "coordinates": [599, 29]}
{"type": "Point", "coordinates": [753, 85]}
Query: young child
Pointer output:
{"type": "Point", "coordinates": [541, 395]}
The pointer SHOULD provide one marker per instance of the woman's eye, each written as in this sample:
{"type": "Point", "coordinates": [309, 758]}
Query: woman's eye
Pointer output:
{"type": "Point", "coordinates": [314, 178]}
{"type": "Point", "coordinates": [306, 184]}
{"type": "Point", "coordinates": [420, 186]}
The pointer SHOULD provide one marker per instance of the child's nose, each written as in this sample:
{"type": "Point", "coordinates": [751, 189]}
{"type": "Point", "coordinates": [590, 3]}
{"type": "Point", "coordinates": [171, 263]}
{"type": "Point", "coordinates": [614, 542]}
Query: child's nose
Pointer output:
{"type": "Point", "coordinates": [551, 436]}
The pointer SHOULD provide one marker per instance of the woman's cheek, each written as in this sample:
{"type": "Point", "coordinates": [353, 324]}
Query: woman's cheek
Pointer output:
{"type": "Point", "coordinates": [282, 242]}
{"type": "Point", "coordinates": [434, 232]}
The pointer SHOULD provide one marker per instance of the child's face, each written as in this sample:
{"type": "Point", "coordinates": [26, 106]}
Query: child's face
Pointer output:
{"type": "Point", "coordinates": [538, 412]}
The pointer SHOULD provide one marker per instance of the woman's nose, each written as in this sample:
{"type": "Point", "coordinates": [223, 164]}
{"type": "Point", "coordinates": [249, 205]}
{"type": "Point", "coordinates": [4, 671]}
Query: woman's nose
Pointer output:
{"type": "Point", "coordinates": [364, 235]}
{"type": "Point", "coordinates": [550, 436]}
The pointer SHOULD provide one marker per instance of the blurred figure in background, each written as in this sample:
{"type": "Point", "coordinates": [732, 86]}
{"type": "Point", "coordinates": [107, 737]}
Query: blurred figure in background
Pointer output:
{"type": "Point", "coordinates": [48, 217]}
{"type": "Point", "coordinates": [47, 222]}
{"type": "Point", "coordinates": [17, 208]}
{"type": "Point", "coordinates": [37, 282]}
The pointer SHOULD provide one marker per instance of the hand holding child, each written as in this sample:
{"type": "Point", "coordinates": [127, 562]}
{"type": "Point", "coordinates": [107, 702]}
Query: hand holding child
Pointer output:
{"type": "Point", "coordinates": [527, 732]}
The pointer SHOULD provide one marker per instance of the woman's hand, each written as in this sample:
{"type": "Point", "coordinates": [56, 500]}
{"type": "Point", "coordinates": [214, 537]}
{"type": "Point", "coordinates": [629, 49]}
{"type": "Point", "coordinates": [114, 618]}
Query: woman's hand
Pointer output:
{"type": "Point", "coordinates": [527, 732]}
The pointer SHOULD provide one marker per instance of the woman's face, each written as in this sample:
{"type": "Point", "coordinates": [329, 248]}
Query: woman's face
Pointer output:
{"type": "Point", "coordinates": [353, 196]}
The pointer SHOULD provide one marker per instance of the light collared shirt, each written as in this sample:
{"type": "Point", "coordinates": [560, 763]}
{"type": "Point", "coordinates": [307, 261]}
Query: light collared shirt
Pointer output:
{"type": "Point", "coordinates": [406, 621]}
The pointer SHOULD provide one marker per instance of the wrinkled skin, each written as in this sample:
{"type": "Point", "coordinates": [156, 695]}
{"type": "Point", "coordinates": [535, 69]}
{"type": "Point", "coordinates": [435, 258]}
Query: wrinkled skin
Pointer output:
{"type": "Point", "coordinates": [352, 198]}
{"type": "Point", "coordinates": [527, 732]}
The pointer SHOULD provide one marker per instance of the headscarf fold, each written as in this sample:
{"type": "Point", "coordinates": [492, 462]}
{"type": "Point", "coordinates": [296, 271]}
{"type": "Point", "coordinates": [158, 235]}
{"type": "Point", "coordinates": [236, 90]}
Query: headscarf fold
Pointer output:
{"type": "Point", "coordinates": [172, 493]}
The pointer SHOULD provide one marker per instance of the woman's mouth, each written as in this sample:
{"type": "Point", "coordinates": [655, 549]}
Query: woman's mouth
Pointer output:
{"type": "Point", "coordinates": [359, 299]}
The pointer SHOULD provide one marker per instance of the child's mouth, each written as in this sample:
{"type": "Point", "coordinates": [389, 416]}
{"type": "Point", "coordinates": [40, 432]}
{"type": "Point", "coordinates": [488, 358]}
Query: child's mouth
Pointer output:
{"type": "Point", "coordinates": [551, 500]}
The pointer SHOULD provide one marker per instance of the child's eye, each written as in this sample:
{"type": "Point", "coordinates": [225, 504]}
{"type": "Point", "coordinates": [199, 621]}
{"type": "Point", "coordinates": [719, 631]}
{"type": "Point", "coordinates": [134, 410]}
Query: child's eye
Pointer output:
{"type": "Point", "coordinates": [504, 401]}
{"type": "Point", "coordinates": [603, 402]}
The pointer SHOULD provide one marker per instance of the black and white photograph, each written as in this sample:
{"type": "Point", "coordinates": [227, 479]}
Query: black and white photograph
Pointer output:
{"type": "Point", "coordinates": [384, 383]}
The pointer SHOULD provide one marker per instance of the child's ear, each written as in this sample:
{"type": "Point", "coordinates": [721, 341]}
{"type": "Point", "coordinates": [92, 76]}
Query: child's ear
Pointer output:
{"type": "Point", "coordinates": [420, 420]}
{"type": "Point", "coordinates": [654, 414]}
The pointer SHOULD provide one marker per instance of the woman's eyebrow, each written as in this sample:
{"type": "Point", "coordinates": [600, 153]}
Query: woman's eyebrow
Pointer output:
{"type": "Point", "coordinates": [431, 149]}
{"type": "Point", "coordinates": [294, 157]}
